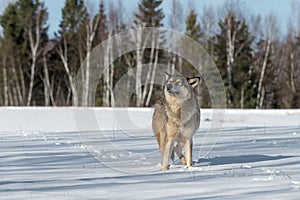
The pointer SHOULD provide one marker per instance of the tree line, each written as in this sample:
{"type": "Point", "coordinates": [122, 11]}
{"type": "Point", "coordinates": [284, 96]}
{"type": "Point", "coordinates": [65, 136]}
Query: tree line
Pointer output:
{"type": "Point", "coordinates": [259, 66]}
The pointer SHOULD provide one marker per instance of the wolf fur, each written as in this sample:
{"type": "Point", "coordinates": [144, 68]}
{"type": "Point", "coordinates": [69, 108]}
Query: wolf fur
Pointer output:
{"type": "Point", "coordinates": [176, 119]}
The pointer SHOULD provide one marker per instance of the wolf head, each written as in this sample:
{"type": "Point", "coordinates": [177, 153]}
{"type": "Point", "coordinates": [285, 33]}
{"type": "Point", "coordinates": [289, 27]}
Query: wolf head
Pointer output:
{"type": "Point", "coordinates": [179, 87]}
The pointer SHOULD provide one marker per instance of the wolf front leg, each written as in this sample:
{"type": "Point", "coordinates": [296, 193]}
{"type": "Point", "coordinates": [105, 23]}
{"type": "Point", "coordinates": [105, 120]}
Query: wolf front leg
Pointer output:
{"type": "Point", "coordinates": [167, 153]}
{"type": "Point", "coordinates": [188, 152]}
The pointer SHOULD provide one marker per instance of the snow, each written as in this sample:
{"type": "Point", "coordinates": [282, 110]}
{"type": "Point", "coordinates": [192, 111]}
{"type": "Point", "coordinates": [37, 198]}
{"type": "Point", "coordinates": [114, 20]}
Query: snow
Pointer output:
{"type": "Point", "coordinates": [105, 153]}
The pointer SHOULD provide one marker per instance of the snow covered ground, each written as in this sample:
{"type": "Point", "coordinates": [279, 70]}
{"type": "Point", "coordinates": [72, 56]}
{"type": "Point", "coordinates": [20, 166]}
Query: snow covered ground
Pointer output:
{"type": "Point", "coordinates": [66, 153]}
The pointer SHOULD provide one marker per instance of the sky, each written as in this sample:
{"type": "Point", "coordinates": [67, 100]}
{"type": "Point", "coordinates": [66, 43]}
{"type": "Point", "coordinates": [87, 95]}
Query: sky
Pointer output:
{"type": "Point", "coordinates": [281, 8]}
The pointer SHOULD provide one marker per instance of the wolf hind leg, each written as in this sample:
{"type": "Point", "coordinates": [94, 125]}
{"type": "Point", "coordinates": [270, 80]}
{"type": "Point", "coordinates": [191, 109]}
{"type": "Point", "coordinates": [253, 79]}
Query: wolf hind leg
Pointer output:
{"type": "Point", "coordinates": [188, 152]}
{"type": "Point", "coordinates": [178, 150]}
{"type": "Point", "coordinates": [160, 137]}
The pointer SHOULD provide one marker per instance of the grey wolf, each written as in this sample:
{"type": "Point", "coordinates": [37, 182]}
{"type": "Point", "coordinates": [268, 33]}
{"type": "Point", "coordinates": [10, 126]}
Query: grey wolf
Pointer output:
{"type": "Point", "coordinates": [176, 118]}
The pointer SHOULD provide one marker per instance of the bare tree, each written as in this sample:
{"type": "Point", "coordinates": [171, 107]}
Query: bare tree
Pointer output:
{"type": "Point", "coordinates": [4, 73]}
{"type": "Point", "coordinates": [48, 88]}
{"type": "Point", "coordinates": [62, 51]}
{"type": "Point", "coordinates": [139, 58]}
{"type": "Point", "coordinates": [208, 20]}
{"type": "Point", "coordinates": [176, 22]}
{"type": "Point", "coordinates": [114, 26]}
{"type": "Point", "coordinates": [230, 46]}
{"type": "Point", "coordinates": [270, 32]}
{"type": "Point", "coordinates": [12, 89]}
{"type": "Point", "coordinates": [153, 64]}
{"type": "Point", "coordinates": [295, 20]}
{"type": "Point", "coordinates": [91, 26]}
{"type": "Point", "coordinates": [176, 18]}
{"type": "Point", "coordinates": [108, 66]}
{"type": "Point", "coordinates": [12, 75]}
{"type": "Point", "coordinates": [233, 10]}
{"type": "Point", "coordinates": [143, 39]}
{"type": "Point", "coordinates": [34, 42]}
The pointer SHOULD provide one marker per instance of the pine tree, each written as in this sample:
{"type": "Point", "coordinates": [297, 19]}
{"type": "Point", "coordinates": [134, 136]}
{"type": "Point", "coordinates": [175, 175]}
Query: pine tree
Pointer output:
{"type": "Point", "coordinates": [245, 77]}
{"type": "Point", "coordinates": [294, 74]}
{"type": "Point", "coordinates": [13, 25]}
{"type": "Point", "coordinates": [234, 59]}
{"type": "Point", "coordinates": [101, 34]}
{"type": "Point", "coordinates": [73, 15]}
{"type": "Point", "coordinates": [194, 31]}
{"type": "Point", "coordinates": [193, 28]}
{"type": "Point", "coordinates": [69, 46]}
{"type": "Point", "coordinates": [25, 34]}
{"type": "Point", "coordinates": [149, 15]}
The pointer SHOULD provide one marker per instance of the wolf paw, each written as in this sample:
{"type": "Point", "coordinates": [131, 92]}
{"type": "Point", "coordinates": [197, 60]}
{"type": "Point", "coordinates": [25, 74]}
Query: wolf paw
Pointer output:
{"type": "Point", "coordinates": [166, 168]}
{"type": "Point", "coordinates": [183, 160]}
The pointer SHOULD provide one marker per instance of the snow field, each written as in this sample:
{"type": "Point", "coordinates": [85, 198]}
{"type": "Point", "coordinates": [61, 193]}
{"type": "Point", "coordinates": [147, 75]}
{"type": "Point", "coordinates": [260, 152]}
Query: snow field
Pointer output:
{"type": "Point", "coordinates": [43, 156]}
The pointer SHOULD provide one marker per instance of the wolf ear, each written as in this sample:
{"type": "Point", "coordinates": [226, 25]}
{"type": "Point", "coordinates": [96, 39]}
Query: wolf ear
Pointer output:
{"type": "Point", "coordinates": [167, 75]}
{"type": "Point", "coordinates": [193, 81]}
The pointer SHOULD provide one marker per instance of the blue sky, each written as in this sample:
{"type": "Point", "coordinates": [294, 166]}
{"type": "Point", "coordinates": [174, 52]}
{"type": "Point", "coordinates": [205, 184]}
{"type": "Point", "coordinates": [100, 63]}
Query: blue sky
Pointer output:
{"type": "Point", "coordinates": [281, 8]}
